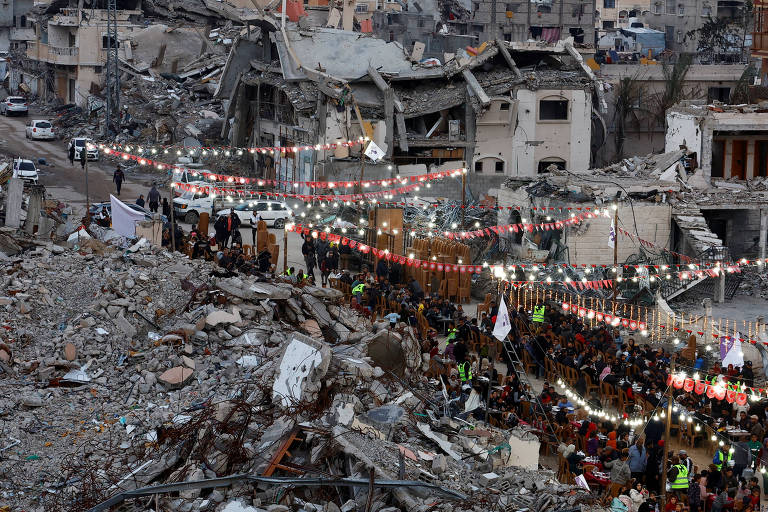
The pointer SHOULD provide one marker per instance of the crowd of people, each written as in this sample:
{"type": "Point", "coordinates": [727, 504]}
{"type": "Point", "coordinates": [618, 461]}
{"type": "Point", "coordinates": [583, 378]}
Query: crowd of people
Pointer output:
{"type": "Point", "coordinates": [630, 457]}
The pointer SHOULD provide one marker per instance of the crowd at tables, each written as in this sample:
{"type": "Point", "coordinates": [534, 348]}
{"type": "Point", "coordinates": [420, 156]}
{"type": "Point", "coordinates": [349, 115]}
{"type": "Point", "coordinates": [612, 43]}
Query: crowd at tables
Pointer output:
{"type": "Point", "coordinates": [600, 410]}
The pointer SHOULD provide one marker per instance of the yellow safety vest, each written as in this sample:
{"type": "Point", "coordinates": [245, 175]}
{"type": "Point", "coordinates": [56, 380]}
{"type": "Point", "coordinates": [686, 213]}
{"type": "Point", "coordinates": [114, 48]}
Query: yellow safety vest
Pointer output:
{"type": "Point", "coordinates": [452, 333]}
{"type": "Point", "coordinates": [681, 481]}
{"type": "Point", "coordinates": [465, 371]}
{"type": "Point", "coordinates": [724, 459]}
{"type": "Point", "coordinates": [538, 313]}
{"type": "Point", "coordinates": [358, 289]}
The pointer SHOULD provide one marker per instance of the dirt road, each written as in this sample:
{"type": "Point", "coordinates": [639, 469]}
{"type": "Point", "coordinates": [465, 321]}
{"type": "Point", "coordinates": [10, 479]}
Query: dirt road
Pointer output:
{"type": "Point", "coordinates": [62, 180]}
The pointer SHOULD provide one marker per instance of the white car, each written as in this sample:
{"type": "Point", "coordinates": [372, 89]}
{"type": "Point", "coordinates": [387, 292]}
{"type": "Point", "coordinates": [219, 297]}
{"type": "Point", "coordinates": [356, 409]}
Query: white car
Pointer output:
{"type": "Point", "coordinates": [274, 213]}
{"type": "Point", "coordinates": [25, 169]}
{"type": "Point", "coordinates": [40, 129]}
{"type": "Point", "coordinates": [79, 142]}
{"type": "Point", "coordinates": [14, 105]}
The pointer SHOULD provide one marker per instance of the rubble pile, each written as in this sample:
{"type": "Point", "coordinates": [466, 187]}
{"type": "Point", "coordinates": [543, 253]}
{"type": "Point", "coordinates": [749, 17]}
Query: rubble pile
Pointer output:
{"type": "Point", "coordinates": [125, 369]}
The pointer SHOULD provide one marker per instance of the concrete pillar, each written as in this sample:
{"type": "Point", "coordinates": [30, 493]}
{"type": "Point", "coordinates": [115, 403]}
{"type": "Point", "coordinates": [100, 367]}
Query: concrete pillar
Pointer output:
{"type": "Point", "coordinates": [763, 232]}
{"type": "Point", "coordinates": [13, 202]}
{"type": "Point", "coordinates": [728, 158]}
{"type": "Point", "coordinates": [36, 196]}
{"type": "Point", "coordinates": [749, 172]}
{"type": "Point", "coordinates": [720, 288]}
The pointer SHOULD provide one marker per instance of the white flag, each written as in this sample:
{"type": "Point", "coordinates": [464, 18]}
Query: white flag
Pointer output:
{"type": "Point", "coordinates": [612, 235]}
{"type": "Point", "coordinates": [374, 152]}
{"type": "Point", "coordinates": [502, 326]}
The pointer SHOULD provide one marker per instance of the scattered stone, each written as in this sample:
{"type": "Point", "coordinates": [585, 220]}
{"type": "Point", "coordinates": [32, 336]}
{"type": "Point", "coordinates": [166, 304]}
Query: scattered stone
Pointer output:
{"type": "Point", "coordinates": [176, 376]}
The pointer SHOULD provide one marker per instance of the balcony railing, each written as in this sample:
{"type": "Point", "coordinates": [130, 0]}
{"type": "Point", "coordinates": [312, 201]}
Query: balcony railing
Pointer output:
{"type": "Point", "coordinates": [65, 55]}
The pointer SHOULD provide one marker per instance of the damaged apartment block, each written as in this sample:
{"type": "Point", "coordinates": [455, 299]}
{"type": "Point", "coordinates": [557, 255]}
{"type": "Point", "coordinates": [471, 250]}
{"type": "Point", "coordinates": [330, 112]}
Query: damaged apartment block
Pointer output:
{"type": "Point", "coordinates": [503, 109]}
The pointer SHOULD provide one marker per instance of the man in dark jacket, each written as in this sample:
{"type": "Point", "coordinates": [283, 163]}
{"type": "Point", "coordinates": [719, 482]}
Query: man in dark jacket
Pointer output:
{"type": "Point", "coordinates": [118, 177]}
{"type": "Point", "coordinates": [154, 199]}
{"type": "Point", "coordinates": [308, 251]}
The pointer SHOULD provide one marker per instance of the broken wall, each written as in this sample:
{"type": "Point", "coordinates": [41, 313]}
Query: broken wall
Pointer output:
{"type": "Point", "coordinates": [538, 139]}
{"type": "Point", "coordinates": [588, 242]}
{"type": "Point", "coordinates": [683, 130]}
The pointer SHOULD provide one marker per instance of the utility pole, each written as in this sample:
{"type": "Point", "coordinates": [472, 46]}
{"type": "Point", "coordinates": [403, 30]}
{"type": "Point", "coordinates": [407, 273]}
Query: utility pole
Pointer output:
{"type": "Point", "coordinates": [666, 438]}
{"type": "Point", "coordinates": [84, 163]}
{"type": "Point", "coordinates": [112, 75]}
{"type": "Point", "coordinates": [173, 220]}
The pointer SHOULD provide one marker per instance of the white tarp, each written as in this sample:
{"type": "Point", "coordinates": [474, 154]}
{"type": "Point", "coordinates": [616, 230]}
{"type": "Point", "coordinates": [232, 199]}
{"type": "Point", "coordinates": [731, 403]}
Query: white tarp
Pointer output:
{"type": "Point", "coordinates": [124, 219]}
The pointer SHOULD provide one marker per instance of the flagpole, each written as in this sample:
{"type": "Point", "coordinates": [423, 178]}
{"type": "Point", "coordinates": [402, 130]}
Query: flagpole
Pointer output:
{"type": "Point", "coordinates": [492, 348]}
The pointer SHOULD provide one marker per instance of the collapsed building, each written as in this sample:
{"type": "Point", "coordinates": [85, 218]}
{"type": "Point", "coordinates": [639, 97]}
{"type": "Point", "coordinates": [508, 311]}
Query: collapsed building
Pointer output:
{"type": "Point", "coordinates": [508, 110]}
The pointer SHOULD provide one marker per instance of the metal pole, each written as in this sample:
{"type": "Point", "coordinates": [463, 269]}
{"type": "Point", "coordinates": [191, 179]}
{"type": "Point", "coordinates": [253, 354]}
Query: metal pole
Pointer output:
{"type": "Point", "coordinates": [615, 254]}
{"type": "Point", "coordinates": [463, 194]}
{"type": "Point", "coordinates": [87, 194]}
{"type": "Point", "coordinates": [666, 439]}
{"type": "Point", "coordinates": [173, 220]}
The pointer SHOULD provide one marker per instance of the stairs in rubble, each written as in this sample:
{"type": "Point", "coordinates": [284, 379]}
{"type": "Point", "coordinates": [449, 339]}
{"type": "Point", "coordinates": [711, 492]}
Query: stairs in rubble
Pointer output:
{"type": "Point", "coordinates": [703, 246]}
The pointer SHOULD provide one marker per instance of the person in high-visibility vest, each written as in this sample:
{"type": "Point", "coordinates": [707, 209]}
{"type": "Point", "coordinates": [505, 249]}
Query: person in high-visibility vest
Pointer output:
{"type": "Point", "coordinates": [722, 456]}
{"type": "Point", "coordinates": [452, 332]}
{"type": "Point", "coordinates": [680, 481]}
{"type": "Point", "coordinates": [358, 290]}
{"type": "Point", "coordinates": [538, 313]}
{"type": "Point", "coordinates": [465, 371]}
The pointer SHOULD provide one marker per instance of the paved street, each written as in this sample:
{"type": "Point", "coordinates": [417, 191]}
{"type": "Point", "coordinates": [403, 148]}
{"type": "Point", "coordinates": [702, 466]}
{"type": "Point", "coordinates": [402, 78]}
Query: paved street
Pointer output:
{"type": "Point", "coordinates": [63, 181]}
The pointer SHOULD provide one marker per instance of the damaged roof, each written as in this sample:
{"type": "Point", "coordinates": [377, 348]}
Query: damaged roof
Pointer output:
{"type": "Point", "coordinates": [345, 55]}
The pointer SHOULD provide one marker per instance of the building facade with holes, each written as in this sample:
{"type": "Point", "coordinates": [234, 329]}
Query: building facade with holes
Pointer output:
{"type": "Point", "coordinates": [530, 130]}
{"type": "Point", "coordinates": [728, 144]}
{"type": "Point", "coordinates": [68, 56]}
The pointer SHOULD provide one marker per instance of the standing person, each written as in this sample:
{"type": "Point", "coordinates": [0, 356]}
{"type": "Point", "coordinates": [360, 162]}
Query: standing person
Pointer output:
{"type": "Point", "coordinates": [220, 227]}
{"type": "Point", "coordinates": [154, 199]}
{"type": "Point", "coordinates": [637, 460]}
{"type": "Point", "coordinates": [254, 220]}
{"type": "Point", "coordinates": [694, 494]}
{"type": "Point", "coordinates": [678, 476]}
{"type": "Point", "coordinates": [140, 200]}
{"type": "Point", "coordinates": [233, 224]}
{"type": "Point", "coordinates": [620, 473]}
{"type": "Point", "coordinates": [72, 156]}
{"type": "Point", "coordinates": [118, 177]}
{"type": "Point", "coordinates": [308, 250]}
{"type": "Point", "coordinates": [166, 208]}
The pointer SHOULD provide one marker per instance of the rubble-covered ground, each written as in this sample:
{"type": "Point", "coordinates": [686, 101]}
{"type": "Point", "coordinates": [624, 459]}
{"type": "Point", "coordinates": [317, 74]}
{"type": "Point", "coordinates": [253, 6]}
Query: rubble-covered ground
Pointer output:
{"type": "Point", "coordinates": [121, 369]}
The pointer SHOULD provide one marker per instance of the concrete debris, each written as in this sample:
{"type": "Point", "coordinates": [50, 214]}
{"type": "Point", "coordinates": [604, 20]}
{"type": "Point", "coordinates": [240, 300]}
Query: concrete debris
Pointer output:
{"type": "Point", "coordinates": [212, 388]}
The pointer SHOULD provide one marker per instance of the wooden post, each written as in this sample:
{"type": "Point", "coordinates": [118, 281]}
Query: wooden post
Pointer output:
{"type": "Point", "coordinates": [285, 249]}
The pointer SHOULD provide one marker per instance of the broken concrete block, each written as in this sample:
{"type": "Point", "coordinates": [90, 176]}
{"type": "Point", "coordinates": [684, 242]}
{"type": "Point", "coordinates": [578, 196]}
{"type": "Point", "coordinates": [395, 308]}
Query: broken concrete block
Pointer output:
{"type": "Point", "coordinates": [487, 479]}
{"type": "Point", "coordinates": [176, 376]}
{"type": "Point", "coordinates": [222, 317]}
{"type": "Point", "coordinates": [304, 360]}
{"type": "Point", "coordinates": [188, 362]}
{"type": "Point", "coordinates": [439, 464]}
{"type": "Point", "coordinates": [4, 356]}
{"type": "Point", "coordinates": [125, 326]}
{"type": "Point", "coordinates": [70, 352]}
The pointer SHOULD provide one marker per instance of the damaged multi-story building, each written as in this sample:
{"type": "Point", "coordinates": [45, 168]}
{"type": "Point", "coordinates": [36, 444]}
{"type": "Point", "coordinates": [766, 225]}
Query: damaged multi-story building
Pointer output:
{"type": "Point", "coordinates": [67, 59]}
{"type": "Point", "coordinates": [511, 110]}
{"type": "Point", "coordinates": [15, 27]}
